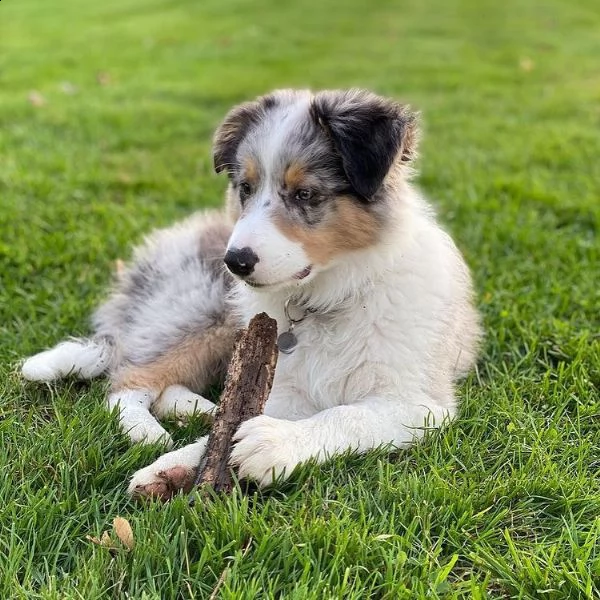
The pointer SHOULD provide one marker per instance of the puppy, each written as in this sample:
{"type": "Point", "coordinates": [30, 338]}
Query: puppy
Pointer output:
{"type": "Point", "coordinates": [326, 234]}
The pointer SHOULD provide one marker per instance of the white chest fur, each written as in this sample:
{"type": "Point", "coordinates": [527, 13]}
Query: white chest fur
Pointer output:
{"type": "Point", "coordinates": [398, 329]}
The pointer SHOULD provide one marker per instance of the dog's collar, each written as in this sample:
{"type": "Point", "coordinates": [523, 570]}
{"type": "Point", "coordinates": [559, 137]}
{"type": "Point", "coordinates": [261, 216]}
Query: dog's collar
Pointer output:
{"type": "Point", "coordinates": [287, 341]}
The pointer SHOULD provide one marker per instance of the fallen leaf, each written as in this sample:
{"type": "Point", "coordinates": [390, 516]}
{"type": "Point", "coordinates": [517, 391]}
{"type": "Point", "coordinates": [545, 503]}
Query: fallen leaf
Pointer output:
{"type": "Point", "coordinates": [68, 88]}
{"type": "Point", "coordinates": [103, 78]}
{"type": "Point", "coordinates": [36, 99]}
{"type": "Point", "coordinates": [105, 540]}
{"type": "Point", "coordinates": [526, 64]}
{"type": "Point", "coordinates": [124, 532]}
{"type": "Point", "coordinates": [124, 177]}
{"type": "Point", "coordinates": [93, 539]}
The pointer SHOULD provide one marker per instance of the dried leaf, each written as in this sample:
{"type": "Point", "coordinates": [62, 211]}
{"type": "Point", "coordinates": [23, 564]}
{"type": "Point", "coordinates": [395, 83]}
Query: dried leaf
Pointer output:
{"type": "Point", "coordinates": [103, 78]}
{"type": "Point", "coordinates": [36, 99]}
{"type": "Point", "coordinates": [94, 540]}
{"type": "Point", "coordinates": [106, 540]}
{"type": "Point", "coordinates": [124, 532]}
{"type": "Point", "coordinates": [526, 64]}
{"type": "Point", "coordinates": [125, 178]}
{"type": "Point", "coordinates": [66, 87]}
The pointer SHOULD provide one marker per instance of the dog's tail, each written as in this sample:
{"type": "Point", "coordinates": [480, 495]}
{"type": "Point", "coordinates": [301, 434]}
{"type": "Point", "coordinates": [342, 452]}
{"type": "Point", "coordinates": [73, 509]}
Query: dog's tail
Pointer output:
{"type": "Point", "coordinates": [82, 358]}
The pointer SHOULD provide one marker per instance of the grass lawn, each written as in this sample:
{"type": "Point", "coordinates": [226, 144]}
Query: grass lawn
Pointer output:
{"type": "Point", "coordinates": [106, 116]}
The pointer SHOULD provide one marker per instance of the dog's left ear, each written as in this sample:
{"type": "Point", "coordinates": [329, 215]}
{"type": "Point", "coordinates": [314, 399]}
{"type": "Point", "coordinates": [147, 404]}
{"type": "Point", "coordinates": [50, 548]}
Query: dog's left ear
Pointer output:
{"type": "Point", "coordinates": [368, 132]}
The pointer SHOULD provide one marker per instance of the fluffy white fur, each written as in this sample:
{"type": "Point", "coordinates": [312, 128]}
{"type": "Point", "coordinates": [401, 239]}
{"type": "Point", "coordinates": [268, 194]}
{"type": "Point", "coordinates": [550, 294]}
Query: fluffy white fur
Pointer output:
{"type": "Point", "coordinates": [81, 358]}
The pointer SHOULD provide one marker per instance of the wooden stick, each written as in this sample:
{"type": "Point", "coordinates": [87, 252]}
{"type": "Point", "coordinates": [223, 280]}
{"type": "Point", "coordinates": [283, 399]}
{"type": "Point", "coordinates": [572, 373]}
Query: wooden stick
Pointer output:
{"type": "Point", "coordinates": [247, 387]}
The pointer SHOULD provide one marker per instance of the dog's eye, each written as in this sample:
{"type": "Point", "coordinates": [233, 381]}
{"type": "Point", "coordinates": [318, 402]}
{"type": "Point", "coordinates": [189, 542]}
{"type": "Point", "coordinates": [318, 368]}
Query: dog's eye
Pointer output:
{"type": "Point", "coordinates": [245, 190]}
{"type": "Point", "coordinates": [303, 195]}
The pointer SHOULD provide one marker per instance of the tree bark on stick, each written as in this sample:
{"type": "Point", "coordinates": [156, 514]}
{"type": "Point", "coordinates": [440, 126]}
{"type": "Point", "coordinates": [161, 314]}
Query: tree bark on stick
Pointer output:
{"type": "Point", "coordinates": [247, 387]}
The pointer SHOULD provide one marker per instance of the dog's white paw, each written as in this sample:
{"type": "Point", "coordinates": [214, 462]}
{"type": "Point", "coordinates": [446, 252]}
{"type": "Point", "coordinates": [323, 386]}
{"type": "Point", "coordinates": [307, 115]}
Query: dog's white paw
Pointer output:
{"type": "Point", "coordinates": [162, 484]}
{"type": "Point", "coordinates": [148, 432]}
{"type": "Point", "coordinates": [135, 419]}
{"type": "Point", "coordinates": [179, 401]}
{"type": "Point", "coordinates": [81, 358]}
{"type": "Point", "coordinates": [171, 473]}
{"type": "Point", "coordinates": [267, 449]}
{"type": "Point", "coordinates": [40, 367]}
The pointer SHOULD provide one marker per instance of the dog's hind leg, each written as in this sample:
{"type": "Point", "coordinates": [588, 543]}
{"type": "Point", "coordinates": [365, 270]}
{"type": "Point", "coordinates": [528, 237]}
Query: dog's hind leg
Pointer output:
{"type": "Point", "coordinates": [168, 383]}
{"type": "Point", "coordinates": [83, 358]}
{"type": "Point", "coordinates": [180, 401]}
{"type": "Point", "coordinates": [135, 419]}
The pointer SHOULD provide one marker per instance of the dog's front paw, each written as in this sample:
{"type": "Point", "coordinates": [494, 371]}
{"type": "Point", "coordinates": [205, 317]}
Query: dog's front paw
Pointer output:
{"type": "Point", "coordinates": [267, 449]}
{"type": "Point", "coordinates": [135, 419]}
{"type": "Point", "coordinates": [161, 484]}
{"type": "Point", "coordinates": [169, 474]}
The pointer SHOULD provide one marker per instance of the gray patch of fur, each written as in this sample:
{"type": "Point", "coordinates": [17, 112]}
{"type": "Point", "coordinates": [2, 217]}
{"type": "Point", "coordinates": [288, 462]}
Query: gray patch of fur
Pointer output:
{"type": "Point", "coordinates": [175, 287]}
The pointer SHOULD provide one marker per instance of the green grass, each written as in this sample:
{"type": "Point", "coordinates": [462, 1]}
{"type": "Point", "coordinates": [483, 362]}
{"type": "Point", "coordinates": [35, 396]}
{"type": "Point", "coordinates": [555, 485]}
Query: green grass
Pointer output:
{"type": "Point", "coordinates": [505, 503]}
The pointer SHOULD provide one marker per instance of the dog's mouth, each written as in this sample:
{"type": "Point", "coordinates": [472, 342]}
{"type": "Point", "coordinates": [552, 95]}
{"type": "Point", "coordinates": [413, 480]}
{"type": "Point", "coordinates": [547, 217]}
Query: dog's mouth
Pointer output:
{"type": "Point", "coordinates": [297, 277]}
{"type": "Point", "coordinates": [304, 273]}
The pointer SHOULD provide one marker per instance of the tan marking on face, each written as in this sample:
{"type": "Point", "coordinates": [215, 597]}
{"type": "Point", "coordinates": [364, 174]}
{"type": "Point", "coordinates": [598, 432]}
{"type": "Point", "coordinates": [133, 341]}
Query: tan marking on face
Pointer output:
{"type": "Point", "coordinates": [348, 227]}
{"type": "Point", "coordinates": [250, 172]}
{"type": "Point", "coordinates": [196, 363]}
{"type": "Point", "coordinates": [294, 177]}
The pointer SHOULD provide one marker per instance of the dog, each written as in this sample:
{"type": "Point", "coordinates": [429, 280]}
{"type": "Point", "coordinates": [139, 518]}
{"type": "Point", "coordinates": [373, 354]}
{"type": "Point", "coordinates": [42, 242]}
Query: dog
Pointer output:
{"type": "Point", "coordinates": [324, 231]}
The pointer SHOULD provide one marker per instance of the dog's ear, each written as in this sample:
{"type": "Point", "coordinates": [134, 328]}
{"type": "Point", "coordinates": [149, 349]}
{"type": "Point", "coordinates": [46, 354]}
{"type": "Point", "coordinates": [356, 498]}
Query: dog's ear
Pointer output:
{"type": "Point", "coordinates": [234, 128]}
{"type": "Point", "coordinates": [368, 132]}
{"type": "Point", "coordinates": [231, 132]}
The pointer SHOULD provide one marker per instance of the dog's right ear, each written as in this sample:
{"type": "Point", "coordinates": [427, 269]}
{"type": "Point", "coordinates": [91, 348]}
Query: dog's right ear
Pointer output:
{"type": "Point", "coordinates": [235, 127]}
{"type": "Point", "coordinates": [231, 132]}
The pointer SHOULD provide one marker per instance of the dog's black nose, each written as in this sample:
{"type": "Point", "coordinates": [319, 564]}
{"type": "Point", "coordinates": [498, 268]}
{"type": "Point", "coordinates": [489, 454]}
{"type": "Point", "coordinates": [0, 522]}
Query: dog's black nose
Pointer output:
{"type": "Point", "coordinates": [241, 261]}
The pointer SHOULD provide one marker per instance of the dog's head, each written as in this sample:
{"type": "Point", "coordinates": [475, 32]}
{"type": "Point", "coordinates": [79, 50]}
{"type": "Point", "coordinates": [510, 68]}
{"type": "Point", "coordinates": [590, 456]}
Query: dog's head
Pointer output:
{"type": "Point", "coordinates": [308, 179]}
